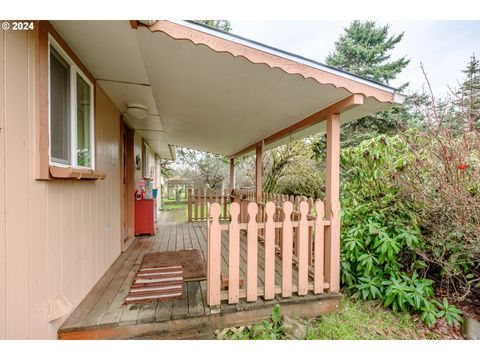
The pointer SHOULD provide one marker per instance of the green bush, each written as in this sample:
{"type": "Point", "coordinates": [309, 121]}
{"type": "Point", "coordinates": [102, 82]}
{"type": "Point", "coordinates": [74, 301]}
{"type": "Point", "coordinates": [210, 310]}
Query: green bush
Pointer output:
{"type": "Point", "coordinates": [271, 329]}
{"type": "Point", "coordinates": [380, 230]}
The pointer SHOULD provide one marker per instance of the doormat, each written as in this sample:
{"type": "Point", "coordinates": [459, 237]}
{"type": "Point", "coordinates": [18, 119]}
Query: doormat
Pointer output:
{"type": "Point", "coordinates": [156, 284]}
{"type": "Point", "coordinates": [191, 261]}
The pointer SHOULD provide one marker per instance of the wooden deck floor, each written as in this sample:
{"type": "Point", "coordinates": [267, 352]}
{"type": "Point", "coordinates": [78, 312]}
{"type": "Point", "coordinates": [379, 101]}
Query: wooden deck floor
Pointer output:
{"type": "Point", "coordinates": [102, 315]}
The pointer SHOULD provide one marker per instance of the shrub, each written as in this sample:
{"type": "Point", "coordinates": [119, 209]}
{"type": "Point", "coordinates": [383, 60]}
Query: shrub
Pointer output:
{"type": "Point", "coordinates": [444, 181]}
{"type": "Point", "coordinates": [380, 230]}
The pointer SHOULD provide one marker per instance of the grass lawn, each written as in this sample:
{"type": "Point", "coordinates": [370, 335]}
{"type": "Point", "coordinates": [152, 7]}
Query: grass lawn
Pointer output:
{"type": "Point", "coordinates": [357, 320]}
{"type": "Point", "coordinates": [167, 207]}
{"type": "Point", "coordinates": [364, 320]}
{"type": "Point", "coordinates": [172, 206]}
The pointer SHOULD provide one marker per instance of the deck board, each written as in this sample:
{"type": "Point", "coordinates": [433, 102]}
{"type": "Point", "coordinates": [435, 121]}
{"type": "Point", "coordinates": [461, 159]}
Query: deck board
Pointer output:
{"type": "Point", "coordinates": [103, 307]}
{"type": "Point", "coordinates": [96, 314]}
{"type": "Point", "coordinates": [180, 307]}
{"type": "Point", "coordinates": [131, 312]}
{"type": "Point", "coordinates": [85, 306]}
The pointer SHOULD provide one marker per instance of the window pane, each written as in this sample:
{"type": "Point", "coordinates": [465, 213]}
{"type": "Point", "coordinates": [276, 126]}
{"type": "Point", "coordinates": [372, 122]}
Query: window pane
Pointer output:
{"type": "Point", "coordinates": [59, 108]}
{"type": "Point", "coordinates": [83, 123]}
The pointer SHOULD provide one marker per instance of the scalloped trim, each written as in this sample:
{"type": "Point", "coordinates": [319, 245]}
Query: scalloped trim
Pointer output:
{"type": "Point", "coordinates": [255, 56]}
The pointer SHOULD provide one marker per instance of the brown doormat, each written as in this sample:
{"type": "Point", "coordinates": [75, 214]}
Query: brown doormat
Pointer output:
{"type": "Point", "coordinates": [190, 260]}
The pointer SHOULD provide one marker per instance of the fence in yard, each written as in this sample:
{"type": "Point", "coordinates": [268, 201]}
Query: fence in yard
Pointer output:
{"type": "Point", "coordinates": [199, 199]}
{"type": "Point", "coordinates": [293, 228]}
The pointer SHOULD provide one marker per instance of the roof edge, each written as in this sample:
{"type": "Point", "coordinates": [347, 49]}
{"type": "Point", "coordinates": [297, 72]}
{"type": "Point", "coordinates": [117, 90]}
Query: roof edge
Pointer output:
{"type": "Point", "coordinates": [291, 65]}
{"type": "Point", "coordinates": [279, 52]}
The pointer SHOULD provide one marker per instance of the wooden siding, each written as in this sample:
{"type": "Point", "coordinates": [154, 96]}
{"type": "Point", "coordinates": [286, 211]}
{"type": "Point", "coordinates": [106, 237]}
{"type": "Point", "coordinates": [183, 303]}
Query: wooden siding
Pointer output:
{"type": "Point", "coordinates": [3, 248]}
{"type": "Point", "coordinates": [57, 237]}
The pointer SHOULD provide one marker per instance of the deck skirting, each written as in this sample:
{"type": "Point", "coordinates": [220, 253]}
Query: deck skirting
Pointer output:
{"type": "Point", "coordinates": [203, 327]}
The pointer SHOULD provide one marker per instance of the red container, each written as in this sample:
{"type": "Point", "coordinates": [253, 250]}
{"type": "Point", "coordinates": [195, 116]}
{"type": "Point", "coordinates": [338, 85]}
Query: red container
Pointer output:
{"type": "Point", "coordinates": [144, 223]}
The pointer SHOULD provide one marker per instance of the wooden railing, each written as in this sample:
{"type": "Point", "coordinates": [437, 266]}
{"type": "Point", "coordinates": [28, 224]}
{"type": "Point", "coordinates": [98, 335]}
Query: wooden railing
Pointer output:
{"type": "Point", "coordinates": [243, 198]}
{"type": "Point", "coordinates": [294, 230]}
{"type": "Point", "coordinates": [199, 199]}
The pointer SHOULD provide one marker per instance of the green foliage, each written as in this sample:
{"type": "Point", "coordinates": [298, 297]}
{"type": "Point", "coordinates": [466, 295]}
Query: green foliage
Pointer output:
{"type": "Point", "coordinates": [468, 96]}
{"type": "Point", "coordinates": [269, 330]}
{"type": "Point", "coordinates": [380, 231]}
{"type": "Point", "coordinates": [449, 312]}
{"type": "Point", "coordinates": [364, 320]}
{"type": "Point", "coordinates": [289, 169]}
{"type": "Point", "coordinates": [364, 50]}
{"type": "Point", "coordinates": [356, 320]}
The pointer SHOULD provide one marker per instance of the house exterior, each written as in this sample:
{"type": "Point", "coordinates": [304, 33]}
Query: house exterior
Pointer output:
{"type": "Point", "coordinates": [71, 153]}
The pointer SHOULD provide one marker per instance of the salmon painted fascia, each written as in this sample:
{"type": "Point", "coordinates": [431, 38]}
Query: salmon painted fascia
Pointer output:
{"type": "Point", "coordinates": [256, 56]}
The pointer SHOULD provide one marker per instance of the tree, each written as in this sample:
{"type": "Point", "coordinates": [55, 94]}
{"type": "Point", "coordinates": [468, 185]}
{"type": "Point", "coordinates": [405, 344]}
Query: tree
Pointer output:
{"type": "Point", "coordinates": [288, 169]}
{"type": "Point", "coordinates": [467, 98]}
{"type": "Point", "coordinates": [223, 25]}
{"type": "Point", "coordinates": [364, 50]}
{"type": "Point", "coordinates": [207, 168]}
{"type": "Point", "coordinates": [278, 161]}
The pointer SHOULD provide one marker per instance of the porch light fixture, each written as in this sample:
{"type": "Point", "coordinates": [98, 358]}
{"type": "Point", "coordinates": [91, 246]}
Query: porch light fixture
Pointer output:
{"type": "Point", "coordinates": [138, 111]}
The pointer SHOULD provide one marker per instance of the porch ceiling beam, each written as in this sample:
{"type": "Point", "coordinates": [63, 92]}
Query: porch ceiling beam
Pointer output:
{"type": "Point", "coordinates": [345, 104]}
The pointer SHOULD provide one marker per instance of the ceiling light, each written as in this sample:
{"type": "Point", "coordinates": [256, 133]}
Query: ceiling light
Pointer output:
{"type": "Point", "coordinates": [138, 111]}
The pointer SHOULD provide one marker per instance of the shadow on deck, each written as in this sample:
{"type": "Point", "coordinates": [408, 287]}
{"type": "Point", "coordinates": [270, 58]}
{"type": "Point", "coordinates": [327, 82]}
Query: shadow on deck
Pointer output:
{"type": "Point", "coordinates": [102, 315]}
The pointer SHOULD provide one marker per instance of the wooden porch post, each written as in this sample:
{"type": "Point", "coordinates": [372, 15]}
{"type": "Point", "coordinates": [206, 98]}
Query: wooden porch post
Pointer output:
{"type": "Point", "coordinates": [232, 174]}
{"type": "Point", "coordinates": [332, 204]}
{"type": "Point", "coordinates": [258, 171]}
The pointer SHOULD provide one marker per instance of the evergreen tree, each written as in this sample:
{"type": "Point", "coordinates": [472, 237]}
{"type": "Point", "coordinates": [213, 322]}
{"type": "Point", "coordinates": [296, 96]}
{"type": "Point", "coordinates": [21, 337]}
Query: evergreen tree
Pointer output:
{"type": "Point", "coordinates": [468, 96]}
{"type": "Point", "coordinates": [364, 50]}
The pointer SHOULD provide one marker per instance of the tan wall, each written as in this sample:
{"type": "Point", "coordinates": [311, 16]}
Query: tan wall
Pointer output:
{"type": "Point", "coordinates": [58, 236]}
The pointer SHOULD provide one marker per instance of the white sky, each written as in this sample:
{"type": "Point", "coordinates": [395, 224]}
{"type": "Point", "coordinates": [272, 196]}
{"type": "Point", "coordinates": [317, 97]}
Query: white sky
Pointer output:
{"type": "Point", "coordinates": [444, 47]}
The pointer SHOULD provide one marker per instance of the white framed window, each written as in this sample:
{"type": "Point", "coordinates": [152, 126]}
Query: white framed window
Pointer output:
{"type": "Point", "coordinates": [71, 104]}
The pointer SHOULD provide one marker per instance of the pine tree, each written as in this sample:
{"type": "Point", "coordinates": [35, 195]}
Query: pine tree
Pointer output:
{"type": "Point", "coordinates": [468, 95]}
{"type": "Point", "coordinates": [364, 50]}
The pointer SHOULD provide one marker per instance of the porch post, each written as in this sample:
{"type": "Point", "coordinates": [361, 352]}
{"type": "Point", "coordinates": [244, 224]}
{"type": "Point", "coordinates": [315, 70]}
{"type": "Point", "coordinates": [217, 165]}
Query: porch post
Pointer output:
{"type": "Point", "coordinates": [258, 171]}
{"type": "Point", "coordinates": [232, 174]}
{"type": "Point", "coordinates": [332, 204]}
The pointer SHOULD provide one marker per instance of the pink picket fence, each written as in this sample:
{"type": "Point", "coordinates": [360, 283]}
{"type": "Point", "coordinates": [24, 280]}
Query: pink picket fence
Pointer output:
{"type": "Point", "coordinates": [292, 230]}
{"type": "Point", "coordinates": [199, 199]}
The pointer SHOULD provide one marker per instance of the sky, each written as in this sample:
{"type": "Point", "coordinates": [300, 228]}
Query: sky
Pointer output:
{"type": "Point", "coordinates": [444, 47]}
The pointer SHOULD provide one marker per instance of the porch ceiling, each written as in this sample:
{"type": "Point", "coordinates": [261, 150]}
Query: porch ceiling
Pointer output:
{"type": "Point", "coordinates": [204, 98]}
